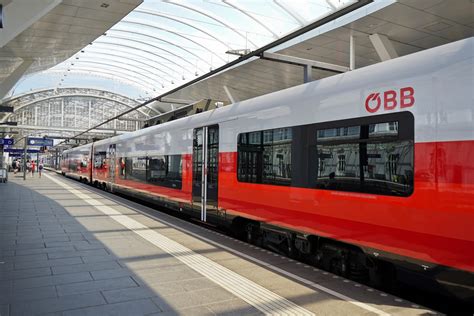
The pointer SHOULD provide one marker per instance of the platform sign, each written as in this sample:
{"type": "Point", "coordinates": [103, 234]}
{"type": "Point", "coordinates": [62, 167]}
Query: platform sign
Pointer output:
{"type": "Point", "coordinates": [40, 141]}
{"type": "Point", "coordinates": [20, 150]}
{"type": "Point", "coordinates": [7, 141]}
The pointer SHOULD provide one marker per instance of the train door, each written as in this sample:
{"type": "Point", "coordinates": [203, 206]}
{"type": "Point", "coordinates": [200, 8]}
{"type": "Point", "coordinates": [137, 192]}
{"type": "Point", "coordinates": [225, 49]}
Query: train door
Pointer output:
{"type": "Point", "coordinates": [205, 171]}
{"type": "Point", "coordinates": [112, 162]}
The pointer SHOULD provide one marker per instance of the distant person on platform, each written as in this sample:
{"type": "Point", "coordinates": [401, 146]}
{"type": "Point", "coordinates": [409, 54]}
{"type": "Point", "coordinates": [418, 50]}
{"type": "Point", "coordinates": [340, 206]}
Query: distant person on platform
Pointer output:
{"type": "Point", "coordinates": [40, 168]}
{"type": "Point", "coordinates": [28, 166]}
{"type": "Point", "coordinates": [33, 167]}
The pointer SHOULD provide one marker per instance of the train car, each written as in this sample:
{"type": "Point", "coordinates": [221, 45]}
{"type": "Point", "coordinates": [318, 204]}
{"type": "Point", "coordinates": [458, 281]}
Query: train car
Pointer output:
{"type": "Point", "coordinates": [368, 174]}
{"type": "Point", "coordinates": [76, 163]}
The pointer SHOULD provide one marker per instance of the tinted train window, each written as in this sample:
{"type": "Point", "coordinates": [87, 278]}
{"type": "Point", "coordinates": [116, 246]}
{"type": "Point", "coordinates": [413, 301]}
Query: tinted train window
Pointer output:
{"type": "Point", "coordinates": [265, 156]}
{"type": "Point", "coordinates": [165, 171]}
{"type": "Point", "coordinates": [135, 169]}
{"type": "Point", "coordinates": [99, 159]}
{"type": "Point", "coordinates": [370, 158]}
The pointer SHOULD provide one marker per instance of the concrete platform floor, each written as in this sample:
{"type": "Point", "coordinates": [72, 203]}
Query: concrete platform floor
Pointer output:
{"type": "Point", "coordinates": [69, 249]}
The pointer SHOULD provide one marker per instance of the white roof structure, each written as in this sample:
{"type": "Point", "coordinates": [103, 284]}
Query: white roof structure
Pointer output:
{"type": "Point", "coordinates": [167, 54]}
{"type": "Point", "coordinates": [165, 43]}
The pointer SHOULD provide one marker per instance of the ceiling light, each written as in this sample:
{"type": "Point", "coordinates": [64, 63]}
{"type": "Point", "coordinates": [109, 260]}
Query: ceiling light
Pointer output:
{"type": "Point", "coordinates": [183, 77]}
{"type": "Point", "coordinates": [104, 5]}
{"type": "Point", "coordinates": [172, 82]}
{"type": "Point", "coordinates": [196, 74]}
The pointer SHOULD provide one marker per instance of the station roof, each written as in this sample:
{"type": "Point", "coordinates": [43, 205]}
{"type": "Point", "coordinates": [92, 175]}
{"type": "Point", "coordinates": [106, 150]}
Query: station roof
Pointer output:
{"type": "Point", "coordinates": [165, 43]}
{"type": "Point", "coordinates": [168, 53]}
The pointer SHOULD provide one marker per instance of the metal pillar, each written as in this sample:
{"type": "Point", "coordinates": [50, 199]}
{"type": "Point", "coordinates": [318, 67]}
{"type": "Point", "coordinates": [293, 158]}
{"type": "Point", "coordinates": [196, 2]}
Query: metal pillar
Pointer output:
{"type": "Point", "coordinates": [383, 46]}
{"type": "Point", "coordinates": [307, 73]}
{"type": "Point", "coordinates": [352, 52]}
{"type": "Point", "coordinates": [229, 95]}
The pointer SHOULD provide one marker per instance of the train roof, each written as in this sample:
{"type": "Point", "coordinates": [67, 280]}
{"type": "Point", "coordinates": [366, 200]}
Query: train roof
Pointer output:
{"type": "Point", "coordinates": [398, 68]}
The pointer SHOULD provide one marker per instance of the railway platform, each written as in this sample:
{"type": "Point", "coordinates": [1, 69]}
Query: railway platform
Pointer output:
{"type": "Point", "coordinates": [69, 249]}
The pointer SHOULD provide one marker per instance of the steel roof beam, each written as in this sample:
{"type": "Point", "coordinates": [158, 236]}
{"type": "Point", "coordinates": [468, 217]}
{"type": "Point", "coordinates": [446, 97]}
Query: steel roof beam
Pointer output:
{"type": "Point", "coordinates": [109, 63]}
{"type": "Point", "coordinates": [127, 57]}
{"type": "Point", "coordinates": [156, 47]}
{"type": "Point", "coordinates": [303, 62]}
{"type": "Point", "coordinates": [383, 46]}
{"type": "Point", "coordinates": [291, 12]}
{"type": "Point", "coordinates": [185, 22]}
{"type": "Point", "coordinates": [162, 40]}
{"type": "Point", "coordinates": [237, 7]}
{"type": "Point", "coordinates": [139, 49]}
{"type": "Point", "coordinates": [174, 32]}
{"type": "Point", "coordinates": [122, 77]}
{"type": "Point", "coordinates": [125, 62]}
{"type": "Point", "coordinates": [212, 17]}
{"type": "Point", "coordinates": [115, 71]}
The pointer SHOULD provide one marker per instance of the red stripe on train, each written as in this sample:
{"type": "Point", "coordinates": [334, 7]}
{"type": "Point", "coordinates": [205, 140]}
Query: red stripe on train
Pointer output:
{"type": "Point", "coordinates": [434, 224]}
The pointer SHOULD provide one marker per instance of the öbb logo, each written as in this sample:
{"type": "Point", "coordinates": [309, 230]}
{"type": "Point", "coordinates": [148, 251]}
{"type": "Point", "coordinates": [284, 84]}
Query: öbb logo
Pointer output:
{"type": "Point", "coordinates": [405, 98]}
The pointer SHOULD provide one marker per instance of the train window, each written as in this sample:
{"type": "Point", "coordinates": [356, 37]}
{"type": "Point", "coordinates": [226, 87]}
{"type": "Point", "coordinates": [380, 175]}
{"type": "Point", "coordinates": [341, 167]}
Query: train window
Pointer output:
{"type": "Point", "coordinates": [265, 157]}
{"type": "Point", "coordinates": [370, 158]}
{"type": "Point", "coordinates": [135, 168]}
{"type": "Point", "coordinates": [99, 159]}
{"type": "Point", "coordinates": [165, 171]}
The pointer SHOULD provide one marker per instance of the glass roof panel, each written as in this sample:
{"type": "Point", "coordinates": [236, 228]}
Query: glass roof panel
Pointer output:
{"type": "Point", "coordinates": [165, 43]}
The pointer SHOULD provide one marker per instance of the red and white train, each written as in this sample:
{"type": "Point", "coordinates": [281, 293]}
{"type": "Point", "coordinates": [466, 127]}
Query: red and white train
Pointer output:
{"type": "Point", "coordinates": [369, 173]}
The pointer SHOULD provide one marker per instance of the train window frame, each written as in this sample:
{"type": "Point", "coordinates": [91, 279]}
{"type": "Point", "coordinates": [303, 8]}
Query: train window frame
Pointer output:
{"type": "Point", "coordinates": [304, 149]}
{"type": "Point", "coordinates": [169, 179]}
{"type": "Point", "coordinates": [264, 157]}
{"type": "Point", "coordinates": [404, 137]}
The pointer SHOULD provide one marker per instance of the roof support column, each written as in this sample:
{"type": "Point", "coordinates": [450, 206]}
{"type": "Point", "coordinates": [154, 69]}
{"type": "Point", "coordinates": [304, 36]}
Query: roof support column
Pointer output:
{"type": "Point", "coordinates": [229, 95]}
{"type": "Point", "coordinates": [308, 73]}
{"type": "Point", "coordinates": [383, 46]}
{"type": "Point", "coordinates": [11, 80]}
{"type": "Point", "coordinates": [352, 52]}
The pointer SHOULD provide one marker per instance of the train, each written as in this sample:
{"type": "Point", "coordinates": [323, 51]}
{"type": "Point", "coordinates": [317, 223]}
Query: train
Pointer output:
{"type": "Point", "coordinates": [368, 174]}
